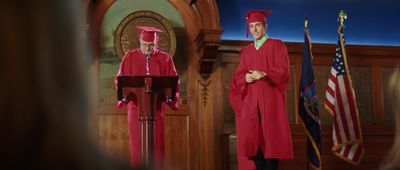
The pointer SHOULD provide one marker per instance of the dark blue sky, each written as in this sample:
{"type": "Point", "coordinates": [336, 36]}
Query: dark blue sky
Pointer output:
{"type": "Point", "coordinates": [370, 22]}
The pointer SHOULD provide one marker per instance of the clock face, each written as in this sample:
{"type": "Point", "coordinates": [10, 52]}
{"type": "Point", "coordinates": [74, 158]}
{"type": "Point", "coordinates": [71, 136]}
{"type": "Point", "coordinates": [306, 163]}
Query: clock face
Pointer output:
{"type": "Point", "coordinates": [127, 35]}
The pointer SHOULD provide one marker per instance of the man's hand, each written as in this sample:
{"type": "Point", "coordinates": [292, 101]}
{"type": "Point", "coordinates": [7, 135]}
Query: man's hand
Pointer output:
{"type": "Point", "coordinates": [254, 75]}
{"type": "Point", "coordinates": [249, 78]}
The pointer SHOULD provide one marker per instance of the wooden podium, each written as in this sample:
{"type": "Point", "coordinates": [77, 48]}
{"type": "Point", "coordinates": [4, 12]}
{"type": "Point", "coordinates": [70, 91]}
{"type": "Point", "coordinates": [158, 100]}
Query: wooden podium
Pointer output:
{"type": "Point", "coordinates": [147, 91]}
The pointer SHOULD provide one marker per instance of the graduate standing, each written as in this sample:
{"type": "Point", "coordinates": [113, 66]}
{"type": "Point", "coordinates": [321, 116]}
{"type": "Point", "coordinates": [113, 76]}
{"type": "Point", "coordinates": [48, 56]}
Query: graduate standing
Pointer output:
{"type": "Point", "coordinates": [257, 96]}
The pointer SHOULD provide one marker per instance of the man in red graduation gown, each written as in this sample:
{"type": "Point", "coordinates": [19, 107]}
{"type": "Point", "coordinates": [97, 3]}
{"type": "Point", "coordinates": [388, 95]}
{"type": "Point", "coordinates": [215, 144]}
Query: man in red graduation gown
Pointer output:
{"type": "Point", "coordinates": [147, 60]}
{"type": "Point", "coordinates": [257, 96]}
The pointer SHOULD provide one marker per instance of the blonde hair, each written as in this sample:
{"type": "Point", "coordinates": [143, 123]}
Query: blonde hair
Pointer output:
{"type": "Point", "coordinates": [391, 161]}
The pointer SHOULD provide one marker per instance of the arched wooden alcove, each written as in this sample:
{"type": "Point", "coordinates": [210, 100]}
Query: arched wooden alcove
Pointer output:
{"type": "Point", "coordinates": [193, 139]}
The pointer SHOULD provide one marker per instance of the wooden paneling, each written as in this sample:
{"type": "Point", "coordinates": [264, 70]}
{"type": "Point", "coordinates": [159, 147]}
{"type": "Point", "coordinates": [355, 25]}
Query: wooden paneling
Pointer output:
{"type": "Point", "coordinates": [377, 95]}
{"type": "Point", "coordinates": [299, 161]}
{"type": "Point", "coordinates": [176, 143]}
{"type": "Point", "coordinates": [387, 108]}
{"type": "Point", "coordinates": [114, 136]}
{"type": "Point", "coordinates": [227, 70]}
{"type": "Point", "coordinates": [291, 95]}
{"type": "Point", "coordinates": [371, 67]}
{"type": "Point", "coordinates": [362, 85]}
{"type": "Point", "coordinates": [321, 77]}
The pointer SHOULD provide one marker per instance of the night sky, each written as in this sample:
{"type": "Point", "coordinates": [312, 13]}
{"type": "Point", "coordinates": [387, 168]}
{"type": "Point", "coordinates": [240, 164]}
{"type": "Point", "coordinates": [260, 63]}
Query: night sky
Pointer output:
{"type": "Point", "coordinates": [370, 22]}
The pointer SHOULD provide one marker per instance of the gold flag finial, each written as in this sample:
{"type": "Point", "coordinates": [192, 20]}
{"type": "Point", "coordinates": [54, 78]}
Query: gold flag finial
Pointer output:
{"type": "Point", "coordinates": [342, 16]}
{"type": "Point", "coordinates": [305, 23]}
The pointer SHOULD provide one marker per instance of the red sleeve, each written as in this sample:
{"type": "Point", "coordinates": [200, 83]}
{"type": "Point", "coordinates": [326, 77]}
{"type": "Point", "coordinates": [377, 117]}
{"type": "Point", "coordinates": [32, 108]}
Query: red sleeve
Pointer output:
{"type": "Point", "coordinates": [279, 73]}
{"type": "Point", "coordinates": [238, 88]}
{"type": "Point", "coordinates": [174, 105]}
{"type": "Point", "coordinates": [123, 70]}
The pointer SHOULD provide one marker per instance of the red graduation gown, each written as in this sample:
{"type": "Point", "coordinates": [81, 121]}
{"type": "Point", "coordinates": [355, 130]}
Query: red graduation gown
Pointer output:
{"type": "Point", "coordinates": [267, 96]}
{"type": "Point", "coordinates": [134, 63]}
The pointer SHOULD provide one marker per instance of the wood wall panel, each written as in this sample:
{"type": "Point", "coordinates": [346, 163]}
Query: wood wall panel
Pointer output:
{"type": "Point", "coordinates": [176, 142]}
{"type": "Point", "coordinates": [321, 74]}
{"type": "Point", "coordinates": [227, 69]}
{"type": "Point", "coordinates": [114, 136]}
{"type": "Point", "coordinates": [291, 95]}
{"type": "Point", "coordinates": [299, 161]}
{"type": "Point", "coordinates": [387, 110]}
{"type": "Point", "coordinates": [362, 84]}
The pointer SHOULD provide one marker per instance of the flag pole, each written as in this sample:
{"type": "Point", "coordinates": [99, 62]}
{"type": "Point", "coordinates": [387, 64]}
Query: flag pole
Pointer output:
{"type": "Point", "coordinates": [310, 137]}
{"type": "Point", "coordinates": [306, 30]}
{"type": "Point", "coordinates": [341, 18]}
{"type": "Point", "coordinates": [308, 37]}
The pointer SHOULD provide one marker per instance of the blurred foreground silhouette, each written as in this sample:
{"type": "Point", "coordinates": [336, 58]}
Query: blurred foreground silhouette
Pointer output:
{"type": "Point", "coordinates": [44, 103]}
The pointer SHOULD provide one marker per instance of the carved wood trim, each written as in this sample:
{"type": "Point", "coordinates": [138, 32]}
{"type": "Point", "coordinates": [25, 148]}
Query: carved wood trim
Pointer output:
{"type": "Point", "coordinates": [378, 95]}
{"type": "Point", "coordinates": [208, 41]}
{"type": "Point", "coordinates": [99, 10]}
{"type": "Point", "coordinates": [361, 55]}
{"type": "Point", "coordinates": [204, 91]}
{"type": "Point", "coordinates": [318, 48]}
{"type": "Point", "coordinates": [207, 31]}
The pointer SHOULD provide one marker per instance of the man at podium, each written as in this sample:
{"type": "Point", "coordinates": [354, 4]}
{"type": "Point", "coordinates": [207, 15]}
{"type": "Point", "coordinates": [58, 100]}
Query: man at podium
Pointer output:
{"type": "Point", "coordinates": [147, 60]}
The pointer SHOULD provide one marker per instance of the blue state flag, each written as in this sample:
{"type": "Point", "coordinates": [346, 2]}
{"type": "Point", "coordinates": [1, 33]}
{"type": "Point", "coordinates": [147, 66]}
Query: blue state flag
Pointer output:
{"type": "Point", "coordinates": [308, 106]}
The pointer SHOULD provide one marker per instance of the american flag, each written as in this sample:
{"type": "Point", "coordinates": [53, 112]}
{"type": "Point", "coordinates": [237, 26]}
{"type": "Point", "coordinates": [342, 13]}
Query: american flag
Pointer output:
{"type": "Point", "coordinates": [340, 101]}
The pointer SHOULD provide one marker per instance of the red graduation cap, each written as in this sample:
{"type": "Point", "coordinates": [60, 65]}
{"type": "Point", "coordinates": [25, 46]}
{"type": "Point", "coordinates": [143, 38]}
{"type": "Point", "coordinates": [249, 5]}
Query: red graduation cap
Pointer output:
{"type": "Point", "coordinates": [148, 34]}
{"type": "Point", "coordinates": [256, 16]}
